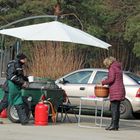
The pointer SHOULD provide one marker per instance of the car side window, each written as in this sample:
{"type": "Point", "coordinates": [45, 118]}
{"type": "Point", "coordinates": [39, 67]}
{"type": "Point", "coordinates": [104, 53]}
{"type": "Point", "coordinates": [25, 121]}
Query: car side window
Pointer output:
{"type": "Point", "coordinates": [100, 75]}
{"type": "Point", "coordinates": [80, 77]}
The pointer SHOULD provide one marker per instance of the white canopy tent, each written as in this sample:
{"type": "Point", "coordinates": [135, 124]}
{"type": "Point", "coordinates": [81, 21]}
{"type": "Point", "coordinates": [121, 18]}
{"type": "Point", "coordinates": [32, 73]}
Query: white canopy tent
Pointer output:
{"type": "Point", "coordinates": [54, 31]}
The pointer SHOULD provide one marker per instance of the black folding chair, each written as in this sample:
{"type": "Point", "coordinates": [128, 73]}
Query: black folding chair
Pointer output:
{"type": "Point", "coordinates": [65, 108]}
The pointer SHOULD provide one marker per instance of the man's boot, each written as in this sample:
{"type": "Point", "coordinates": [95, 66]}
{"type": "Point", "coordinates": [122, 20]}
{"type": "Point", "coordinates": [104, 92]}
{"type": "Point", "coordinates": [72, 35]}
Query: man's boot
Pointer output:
{"type": "Point", "coordinates": [22, 114]}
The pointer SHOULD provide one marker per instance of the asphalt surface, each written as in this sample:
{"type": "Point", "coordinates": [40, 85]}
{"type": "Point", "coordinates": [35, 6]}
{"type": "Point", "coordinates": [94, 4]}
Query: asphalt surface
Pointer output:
{"type": "Point", "coordinates": [69, 130]}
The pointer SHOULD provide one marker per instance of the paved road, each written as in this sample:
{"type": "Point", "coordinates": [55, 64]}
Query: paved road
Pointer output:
{"type": "Point", "coordinates": [129, 130]}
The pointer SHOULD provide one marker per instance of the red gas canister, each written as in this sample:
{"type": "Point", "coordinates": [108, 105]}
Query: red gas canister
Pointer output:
{"type": "Point", "coordinates": [41, 114]}
{"type": "Point", "coordinates": [3, 114]}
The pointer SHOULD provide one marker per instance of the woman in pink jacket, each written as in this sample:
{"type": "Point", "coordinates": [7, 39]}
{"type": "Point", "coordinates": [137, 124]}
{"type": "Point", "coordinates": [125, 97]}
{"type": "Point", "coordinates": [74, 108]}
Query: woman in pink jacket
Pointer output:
{"type": "Point", "coordinates": [116, 89]}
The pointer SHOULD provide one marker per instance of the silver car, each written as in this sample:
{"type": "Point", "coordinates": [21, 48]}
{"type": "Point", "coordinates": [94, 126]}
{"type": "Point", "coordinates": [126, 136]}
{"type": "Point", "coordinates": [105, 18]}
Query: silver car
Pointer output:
{"type": "Point", "coordinates": [81, 83]}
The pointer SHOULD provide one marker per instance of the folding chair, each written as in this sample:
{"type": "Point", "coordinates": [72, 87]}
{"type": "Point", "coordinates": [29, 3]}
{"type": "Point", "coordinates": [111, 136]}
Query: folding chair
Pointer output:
{"type": "Point", "coordinates": [65, 108]}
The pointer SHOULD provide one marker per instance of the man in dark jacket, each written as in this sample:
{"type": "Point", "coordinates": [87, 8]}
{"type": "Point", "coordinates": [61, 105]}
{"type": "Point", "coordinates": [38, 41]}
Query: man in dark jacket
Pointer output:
{"type": "Point", "coordinates": [16, 81]}
{"type": "Point", "coordinates": [116, 89]}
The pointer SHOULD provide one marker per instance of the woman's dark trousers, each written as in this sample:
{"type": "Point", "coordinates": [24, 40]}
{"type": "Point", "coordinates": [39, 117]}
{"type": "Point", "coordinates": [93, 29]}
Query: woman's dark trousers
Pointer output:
{"type": "Point", "coordinates": [115, 112]}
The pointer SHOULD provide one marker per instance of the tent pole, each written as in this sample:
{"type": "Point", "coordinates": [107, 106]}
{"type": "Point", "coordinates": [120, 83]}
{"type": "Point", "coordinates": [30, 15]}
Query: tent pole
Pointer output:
{"type": "Point", "coordinates": [2, 52]}
{"type": "Point", "coordinates": [29, 18]}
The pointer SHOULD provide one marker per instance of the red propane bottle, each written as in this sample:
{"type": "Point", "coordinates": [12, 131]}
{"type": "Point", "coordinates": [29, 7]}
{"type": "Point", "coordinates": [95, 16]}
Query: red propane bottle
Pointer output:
{"type": "Point", "coordinates": [41, 114]}
{"type": "Point", "coordinates": [3, 113]}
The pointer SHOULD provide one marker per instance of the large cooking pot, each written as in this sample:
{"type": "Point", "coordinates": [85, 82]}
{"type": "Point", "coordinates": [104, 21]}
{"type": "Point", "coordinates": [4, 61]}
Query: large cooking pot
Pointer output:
{"type": "Point", "coordinates": [101, 91]}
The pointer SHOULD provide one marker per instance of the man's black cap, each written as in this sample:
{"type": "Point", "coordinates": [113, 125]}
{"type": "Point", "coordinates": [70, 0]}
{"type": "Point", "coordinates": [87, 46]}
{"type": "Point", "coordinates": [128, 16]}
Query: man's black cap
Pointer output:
{"type": "Point", "coordinates": [21, 56]}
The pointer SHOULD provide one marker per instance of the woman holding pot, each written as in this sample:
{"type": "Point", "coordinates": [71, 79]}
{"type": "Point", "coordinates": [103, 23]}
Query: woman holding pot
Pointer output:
{"type": "Point", "coordinates": [116, 90]}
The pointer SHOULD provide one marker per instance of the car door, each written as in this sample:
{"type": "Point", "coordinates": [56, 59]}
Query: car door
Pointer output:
{"type": "Point", "coordinates": [76, 85]}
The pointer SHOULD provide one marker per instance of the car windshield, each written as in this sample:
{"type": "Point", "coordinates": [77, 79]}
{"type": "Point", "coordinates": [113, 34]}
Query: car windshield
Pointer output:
{"type": "Point", "coordinates": [133, 76]}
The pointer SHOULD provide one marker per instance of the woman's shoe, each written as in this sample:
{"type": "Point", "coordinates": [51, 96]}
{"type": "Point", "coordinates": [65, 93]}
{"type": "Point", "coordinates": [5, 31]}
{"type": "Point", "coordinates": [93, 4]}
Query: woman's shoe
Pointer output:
{"type": "Point", "coordinates": [111, 125]}
{"type": "Point", "coordinates": [113, 128]}
{"type": "Point", "coordinates": [107, 128]}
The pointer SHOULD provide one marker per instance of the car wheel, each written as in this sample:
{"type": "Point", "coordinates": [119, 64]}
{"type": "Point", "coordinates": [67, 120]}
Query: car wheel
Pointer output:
{"type": "Point", "coordinates": [12, 114]}
{"type": "Point", "coordinates": [126, 110]}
